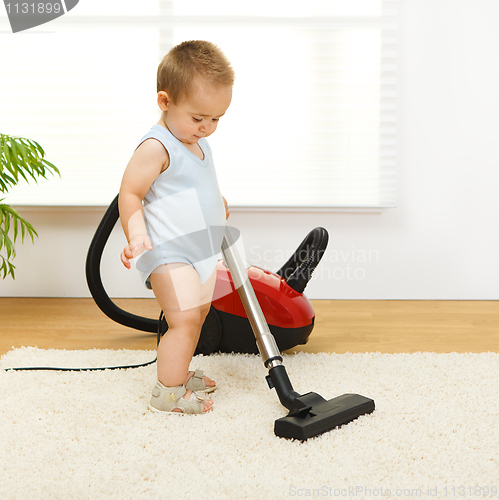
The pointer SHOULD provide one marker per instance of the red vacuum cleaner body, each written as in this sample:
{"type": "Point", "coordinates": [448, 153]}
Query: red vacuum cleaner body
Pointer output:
{"type": "Point", "coordinates": [289, 313]}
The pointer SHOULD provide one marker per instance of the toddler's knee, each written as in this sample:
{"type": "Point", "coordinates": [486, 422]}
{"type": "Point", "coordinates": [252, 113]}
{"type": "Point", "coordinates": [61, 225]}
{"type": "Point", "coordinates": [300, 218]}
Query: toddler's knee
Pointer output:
{"type": "Point", "coordinates": [194, 319]}
{"type": "Point", "coordinates": [191, 320]}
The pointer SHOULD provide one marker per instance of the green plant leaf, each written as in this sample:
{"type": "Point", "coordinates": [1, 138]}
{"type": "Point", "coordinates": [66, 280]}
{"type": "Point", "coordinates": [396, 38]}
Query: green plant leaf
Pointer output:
{"type": "Point", "coordinates": [5, 241]}
{"type": "Point", "coordinates": [7, 268]}
{"type": "Point", "coordinates": [20, 158]}
{"type": "Point", "coordinates": [10, 218]}
{"type": "Point", "coordinates": [23, 158]}
{"type": "Point", "coordinates": [6, 181]}
{"type": "Point", "coordinates": [9, 215]}
{"type": "Point", "coordinates": [7, 164]}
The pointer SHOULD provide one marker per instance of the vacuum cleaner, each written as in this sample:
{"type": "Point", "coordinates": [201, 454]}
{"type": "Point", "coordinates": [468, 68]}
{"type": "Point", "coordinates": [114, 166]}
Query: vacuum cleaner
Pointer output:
{"type": "Point", "coordinates": [288, 311]}
{"type": "Point", "coordinates": [309, 414]}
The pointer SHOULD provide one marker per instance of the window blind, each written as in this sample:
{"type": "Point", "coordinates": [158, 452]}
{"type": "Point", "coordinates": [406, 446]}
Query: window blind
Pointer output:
{"type": "Point", "coordinates": [311, 124]}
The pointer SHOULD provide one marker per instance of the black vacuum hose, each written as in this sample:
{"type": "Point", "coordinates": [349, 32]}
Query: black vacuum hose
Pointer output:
{"type": "Point", "coordinates": [94, 281]}
{"type": "Point", "coordinates": [298, 270]}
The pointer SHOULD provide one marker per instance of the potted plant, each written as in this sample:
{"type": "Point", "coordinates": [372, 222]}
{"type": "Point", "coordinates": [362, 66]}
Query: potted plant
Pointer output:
{"type": "Point", "coordinates": [20, 158]}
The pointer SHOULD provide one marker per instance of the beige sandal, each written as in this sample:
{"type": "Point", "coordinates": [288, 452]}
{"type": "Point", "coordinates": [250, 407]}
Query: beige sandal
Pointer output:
{"type": "Point", "coordinates": [197, 384]}
{"type": "Point", "coordinates": [167, 399]}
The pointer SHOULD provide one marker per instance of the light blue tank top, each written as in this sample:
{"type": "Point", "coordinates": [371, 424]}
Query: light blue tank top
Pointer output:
{"type": "Point", "coordinates": [183, 209]}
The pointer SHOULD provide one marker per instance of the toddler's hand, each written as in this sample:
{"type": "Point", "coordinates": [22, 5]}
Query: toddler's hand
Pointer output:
{"type": "Point", "coordinates": [226, 205]}
{"type": "Point", "coordinates": [136, 246]}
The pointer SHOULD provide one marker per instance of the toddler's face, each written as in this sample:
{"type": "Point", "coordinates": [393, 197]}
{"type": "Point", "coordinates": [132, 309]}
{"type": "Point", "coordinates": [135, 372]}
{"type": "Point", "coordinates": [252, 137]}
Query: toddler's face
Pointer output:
{"type": "Point", "coordinates": [197, 116]}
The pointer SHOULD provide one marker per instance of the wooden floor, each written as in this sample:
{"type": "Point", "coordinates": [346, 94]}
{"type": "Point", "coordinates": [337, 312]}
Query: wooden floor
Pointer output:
{"type": "Point", "coordinates": [341, 326]}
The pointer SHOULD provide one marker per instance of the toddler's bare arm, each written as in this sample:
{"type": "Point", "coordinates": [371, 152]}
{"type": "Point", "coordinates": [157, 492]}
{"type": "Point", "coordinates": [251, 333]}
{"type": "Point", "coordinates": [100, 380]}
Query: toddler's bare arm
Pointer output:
{"type": "Point", "coordinates": [147, 162]}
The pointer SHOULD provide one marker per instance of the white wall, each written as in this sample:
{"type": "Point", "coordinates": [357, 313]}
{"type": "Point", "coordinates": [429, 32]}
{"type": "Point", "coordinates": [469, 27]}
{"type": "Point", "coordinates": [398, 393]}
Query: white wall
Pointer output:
{"type": "Point", "coordinates": [442, 240]}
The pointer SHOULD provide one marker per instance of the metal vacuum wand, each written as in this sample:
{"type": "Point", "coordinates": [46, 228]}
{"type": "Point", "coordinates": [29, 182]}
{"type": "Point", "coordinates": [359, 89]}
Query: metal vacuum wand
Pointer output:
{"type": "Point", "coordinates": [265, 341]}
{"type": "Point", "coordinates": [310, 414]}
{"type": "Point", "coordinates": [267, 346]}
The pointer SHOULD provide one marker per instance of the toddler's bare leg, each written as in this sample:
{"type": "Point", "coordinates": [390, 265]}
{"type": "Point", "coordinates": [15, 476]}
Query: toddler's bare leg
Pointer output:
{"type": "Point", "coordinates": [185, 303]}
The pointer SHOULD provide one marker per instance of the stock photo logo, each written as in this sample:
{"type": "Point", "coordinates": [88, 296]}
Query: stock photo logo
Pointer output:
{"type": "Point", "coordinates": [25, 15]}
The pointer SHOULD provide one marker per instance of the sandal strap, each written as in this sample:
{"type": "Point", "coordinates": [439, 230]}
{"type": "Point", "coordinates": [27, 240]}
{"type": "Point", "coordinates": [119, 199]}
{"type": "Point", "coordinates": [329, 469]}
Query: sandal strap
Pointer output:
{"type": "Point", "coordinates": [168, 399]}
{"type": "Point", "coordinates": [168, 393]}
{"type": "Point", "coordinates": [196, 382]}
{"type": "Point", "coordinates": [192, 405]}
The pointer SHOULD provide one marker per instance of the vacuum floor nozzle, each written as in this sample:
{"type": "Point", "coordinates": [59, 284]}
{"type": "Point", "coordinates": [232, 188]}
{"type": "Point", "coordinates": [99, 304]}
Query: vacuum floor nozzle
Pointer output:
{"type": "Point", "coordinates": [311, 415]}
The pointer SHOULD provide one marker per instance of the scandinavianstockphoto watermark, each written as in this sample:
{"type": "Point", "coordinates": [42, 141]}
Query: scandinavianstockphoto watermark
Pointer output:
{"type": "Point", "coordinates": [336, 264]}
{"type": "Point", "coordinates": [24, 15]}
{"type": "Point", "coordinates": [447, 491]}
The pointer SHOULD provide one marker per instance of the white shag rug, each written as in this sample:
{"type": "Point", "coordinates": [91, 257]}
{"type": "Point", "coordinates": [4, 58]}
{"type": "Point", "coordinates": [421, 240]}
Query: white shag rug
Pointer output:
{"type": "Point", "coordinates": [89, 435]}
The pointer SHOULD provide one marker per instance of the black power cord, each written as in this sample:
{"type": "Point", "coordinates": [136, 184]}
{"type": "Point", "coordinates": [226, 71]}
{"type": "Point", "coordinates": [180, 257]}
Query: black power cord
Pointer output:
{"type": "Point", "coordinates": [80, 369]}
{"type": "Point", "coordinates": [124, 367]}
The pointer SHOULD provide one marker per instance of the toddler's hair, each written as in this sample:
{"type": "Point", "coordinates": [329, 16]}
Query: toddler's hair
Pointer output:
{"type": "Point", "coordinates": [187, 61]}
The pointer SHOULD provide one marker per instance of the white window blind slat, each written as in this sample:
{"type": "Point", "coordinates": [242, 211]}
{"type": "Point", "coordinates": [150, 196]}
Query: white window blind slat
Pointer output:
{"type": "Point", "coordinates": [313, 118]}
